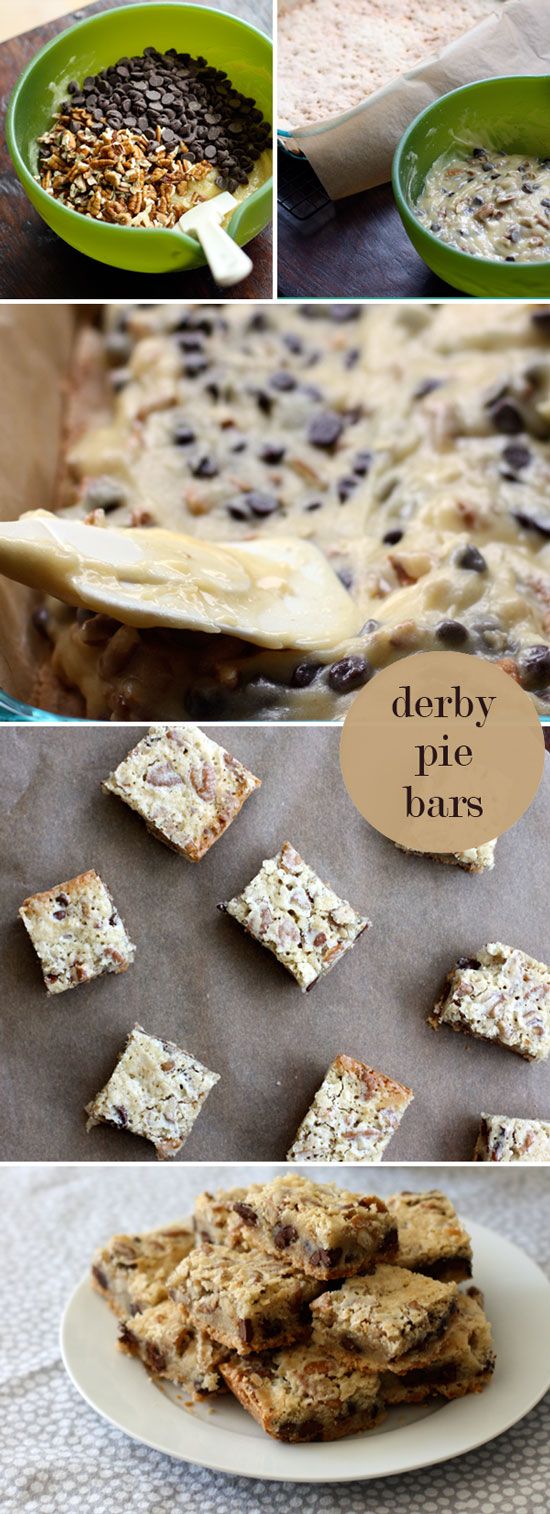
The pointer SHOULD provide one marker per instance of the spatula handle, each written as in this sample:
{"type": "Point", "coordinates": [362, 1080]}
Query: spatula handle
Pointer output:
{"type": "Point", "coordinates": [227, 262]}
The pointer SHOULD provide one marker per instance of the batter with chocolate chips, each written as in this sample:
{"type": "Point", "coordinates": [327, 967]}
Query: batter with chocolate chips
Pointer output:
{"type": "Point", "coordinates": [409, 443]}
{"type": "Point", "coordinates": [489, 204]}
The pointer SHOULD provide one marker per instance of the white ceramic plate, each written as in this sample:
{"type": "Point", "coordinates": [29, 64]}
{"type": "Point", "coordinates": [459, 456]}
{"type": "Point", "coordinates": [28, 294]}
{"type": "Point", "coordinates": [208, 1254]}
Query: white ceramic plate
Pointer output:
{"type": "Point", "coordinates": [222, 1436]}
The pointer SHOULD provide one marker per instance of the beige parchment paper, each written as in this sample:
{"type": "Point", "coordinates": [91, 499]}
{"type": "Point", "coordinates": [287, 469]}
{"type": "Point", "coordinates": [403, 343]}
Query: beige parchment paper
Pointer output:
{"type": "Point", "coordinates": [353, 152]}
{"type": "Point", "coordinates": [199, 980]}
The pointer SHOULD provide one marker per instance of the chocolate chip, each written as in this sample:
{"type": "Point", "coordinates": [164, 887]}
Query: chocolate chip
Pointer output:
{"type": "Point", "coordinates": [100, 1277]}
{"type": "Point", "coordinates": [345, 488]}
{"type": "Point", "coordinates": [451, 632]}
{"type": "Point", "coordinates": [183, 435]}
{"type": "Point", "coordinates": [194, 364]}
{"type": "Point", "coordinates": [426, 386]}
{"type": "Point", "coordinates": [516, 456]}
{"type": "Point", "coordinates": [238, 510]}
{"type": "Point", "coordinates": [325, 429]}
{"type": "Point", "coordinates": [284, 1235]}
{"type": "Point", "coordinates": [326, 1257]}
{"type": "Point", "coordinates": [533, 522]}
{"type": "Point", "coordinates": [303, 674]}
{"type": "Point", "coordinates": [62, 898]}
{"type": "Point", "coordinates": [507, 419]}
{"type": "Point", "coordinates": [261, 504]}
{"type": "Point", "coordinates": [392, 537]}
{"type": "Point", "coordinates": [104, 494]}
{"type": "Point", "coordinates": [258, 322]}
{"type": "Point", "coordinates": [205, 467]}
{"type": "Point", "coordinates": [541, 318]}
{"type": "Point", "coordinates": [471, 558]}
{"type": "Point", "coordinates": [120, 1114]}
{"type": "Point", "coordinates": [340, 314]}
{"type": "Point", "coordinates": [468, 962]}
{"type": "Point", "coordinates": [362, 462]}
{"type": "Point", "coordinates": [283, 381]}
{"type": "Point", "coordinates": [534, 667]}
{"type": "Point", "coordinates": [155, 1358]}
{"type": "Point", "coordinates": [60, 914]}
{"type": "Point", "coordinates": [245, 1331]}
{"type": "Point", "coordinates": [246, 1212]}
{"type": "Point", "coordinates": [272, 452]}
{"type": "Point", "coordinates": [348, 674]}
{"type": "Point", "coordinates": [301, 1429]}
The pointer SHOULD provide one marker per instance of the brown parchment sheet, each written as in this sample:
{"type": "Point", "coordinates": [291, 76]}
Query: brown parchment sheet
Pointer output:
{"type": "Point", "coordinates": [354, 151]}
{"type": "Point", "coordinates": [36, 342]}
{"type": "Point", "coordinates": [200, 981]}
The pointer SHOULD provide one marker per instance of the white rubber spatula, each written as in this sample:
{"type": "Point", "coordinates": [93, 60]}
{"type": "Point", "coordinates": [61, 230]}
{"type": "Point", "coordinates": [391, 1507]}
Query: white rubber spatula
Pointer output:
{"type": "Point", "coordinates": [227, 262]}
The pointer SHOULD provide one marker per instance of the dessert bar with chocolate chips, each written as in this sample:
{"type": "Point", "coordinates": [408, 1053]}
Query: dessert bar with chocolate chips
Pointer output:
{"type": "Point", "coordinates": [501, 995]}
{"type": "Point", "coordinates": [504, 1138]}
{"type": "Point", "coordinates": [432, 1239]}
{"type": "Point", "coordinates": [384, 1316]}
{"type": "Point", "coordinates": [185, 787]}
{"type": "Point", "coordinates": [353, 1117]}
{"type": "Point", "coordinates": [156, 1091]}
{"type": "Point", "coordinates": [130, 1271]}
{"type": "Point", "coordinates": [76, 932]}
{"type": "Point", "coordinates": [317, 1228]}
{"type": "Point", "coordinates": [306, 1393]}
{"type": "Point", "coordinates": [246, 1301]}
{"type": "Point", "coordinates": [300, 919]}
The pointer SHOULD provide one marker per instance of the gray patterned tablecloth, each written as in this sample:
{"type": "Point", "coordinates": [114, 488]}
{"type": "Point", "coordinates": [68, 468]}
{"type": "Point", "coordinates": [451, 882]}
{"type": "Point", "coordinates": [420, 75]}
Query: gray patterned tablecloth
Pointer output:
{"type": "Point", "coordinates": [61, 1458]}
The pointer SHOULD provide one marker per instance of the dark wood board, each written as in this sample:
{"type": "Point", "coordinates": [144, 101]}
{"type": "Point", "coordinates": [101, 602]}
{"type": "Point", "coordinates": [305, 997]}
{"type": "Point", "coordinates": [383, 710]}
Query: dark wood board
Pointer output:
{"type": "Point", "coordinates": [36, 264]}
{"type": "Point", "coordinates": [362, 252]}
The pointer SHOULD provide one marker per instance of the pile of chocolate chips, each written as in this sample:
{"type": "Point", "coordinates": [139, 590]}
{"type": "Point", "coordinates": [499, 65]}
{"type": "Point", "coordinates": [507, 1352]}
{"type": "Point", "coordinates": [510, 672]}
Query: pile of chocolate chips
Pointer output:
{"type": "Point", "coordinates": [187, 99]}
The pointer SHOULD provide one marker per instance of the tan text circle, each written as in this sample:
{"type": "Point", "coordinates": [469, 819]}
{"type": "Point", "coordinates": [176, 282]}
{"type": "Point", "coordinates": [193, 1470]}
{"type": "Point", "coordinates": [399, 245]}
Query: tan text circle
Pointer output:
{"type": "Point", "coordinates": [442, 777]}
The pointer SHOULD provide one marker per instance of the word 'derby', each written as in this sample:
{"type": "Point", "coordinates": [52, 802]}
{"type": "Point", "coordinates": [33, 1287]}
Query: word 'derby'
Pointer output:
{"type": "Point", "coordinates": [442, 751]}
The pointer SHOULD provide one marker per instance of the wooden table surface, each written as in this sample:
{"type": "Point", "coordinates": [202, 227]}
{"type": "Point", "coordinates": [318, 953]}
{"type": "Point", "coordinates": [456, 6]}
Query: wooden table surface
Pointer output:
{"type": "Point", "coordinates": [363, 251]}
{"type": "Point", "coordinates": [36, 264]}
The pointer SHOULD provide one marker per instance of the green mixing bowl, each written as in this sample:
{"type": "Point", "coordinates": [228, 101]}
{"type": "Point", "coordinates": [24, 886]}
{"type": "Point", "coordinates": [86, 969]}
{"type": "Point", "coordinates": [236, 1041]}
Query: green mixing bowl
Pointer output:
{"type": "Point", "coordinates": [511, 114]}
{"type": "Point", "coordinates": [244, 53]}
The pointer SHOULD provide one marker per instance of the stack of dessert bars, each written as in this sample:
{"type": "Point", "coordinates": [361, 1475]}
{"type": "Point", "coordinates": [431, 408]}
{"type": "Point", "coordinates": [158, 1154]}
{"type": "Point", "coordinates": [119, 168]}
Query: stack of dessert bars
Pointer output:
{"type": "Point", "coordinates": [318, 1308]}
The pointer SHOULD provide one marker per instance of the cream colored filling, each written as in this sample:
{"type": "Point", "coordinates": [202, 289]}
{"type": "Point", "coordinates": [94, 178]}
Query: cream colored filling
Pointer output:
{"type": "Point", "coordinates": [490, 204]}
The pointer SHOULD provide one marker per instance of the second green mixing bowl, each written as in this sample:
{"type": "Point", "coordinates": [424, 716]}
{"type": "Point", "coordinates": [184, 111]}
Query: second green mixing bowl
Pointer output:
{"type": "Point", "coordinates": [510, 114]}
{"type": "Point", "coordinates": [244, 53]}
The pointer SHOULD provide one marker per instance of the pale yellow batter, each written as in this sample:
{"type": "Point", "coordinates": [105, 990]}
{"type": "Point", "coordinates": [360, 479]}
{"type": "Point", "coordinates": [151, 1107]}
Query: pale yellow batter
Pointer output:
{"type": "Point", "coordinates": [411, 444]}
{"type": "Point", "coordinates": [490, 204]}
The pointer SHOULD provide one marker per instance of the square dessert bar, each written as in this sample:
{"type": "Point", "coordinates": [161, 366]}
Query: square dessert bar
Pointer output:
{"type": "Point", "coordinates": [503, 1138]}
{"type": "Point", "coordinates": [477, 859]}
{"type": "Point", "coordinates": [186, 788]}
{"type": "Point", "coordinates": [306, 1394]}
{"type": "Point", "coordinates": [432, 1239]}
{"type": "Point", "coordinates": [164, 1340]}
{"type": "Point", "coordinates": [246, 1301]}
{"type": "Point", "coordinates": [131, 1271]}
{"type": "Point", "coordinates": [217, 1222]}
{"type": "Point", "coordinates": [317, 1228]}
{"type": "Point", "coordinates": [353, 1117]}
{"type": "Point", "coordinates": [289, 910]}
{"type": "Point", "coordinates": [156, 1091]}
{"type": "Point", "coordinates": [76, 932]}
{"type": "Point", "coordinates": [462, 1361]}
{"type": "Point", "coordinates": [384, 1316]}
{"type": "Point", "coordinates": [501, 995]}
